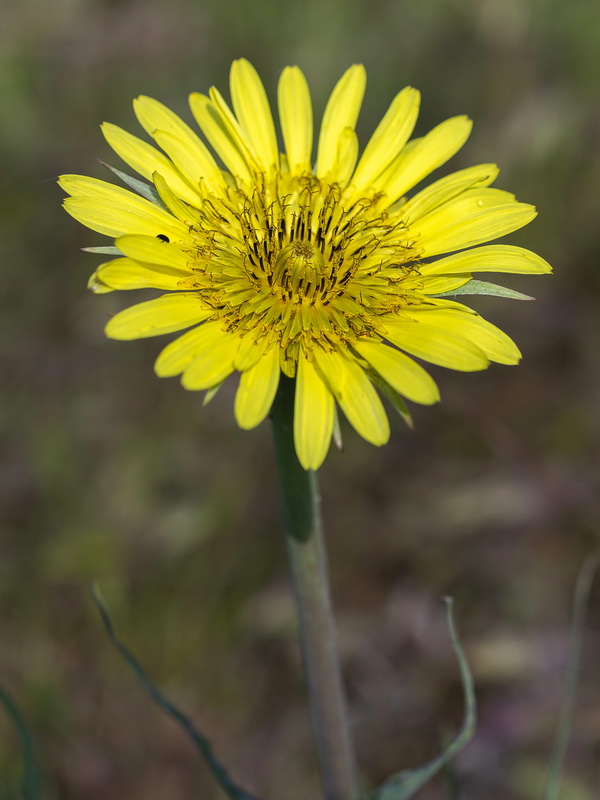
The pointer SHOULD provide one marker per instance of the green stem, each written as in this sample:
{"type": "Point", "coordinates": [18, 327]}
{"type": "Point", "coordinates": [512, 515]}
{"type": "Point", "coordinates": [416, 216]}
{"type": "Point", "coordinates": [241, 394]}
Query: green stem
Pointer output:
{"type": "Point", "coordinates": [308, 563]}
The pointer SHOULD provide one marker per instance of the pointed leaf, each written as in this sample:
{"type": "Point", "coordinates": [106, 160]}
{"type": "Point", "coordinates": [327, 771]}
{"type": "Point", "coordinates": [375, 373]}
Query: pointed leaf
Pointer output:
{"type": "Point", "coordinates": [211, 393]}
{"type": "Point", "coordinates": [484, 287]}
{"type": "Point", "coordinates": [337, 431]}
{"type": "Point", "coordinates": [392, 395]}
{"type": "Point", "coordinates": [105, 251]}
{"type": "Point", "coordinates": [141, 187]}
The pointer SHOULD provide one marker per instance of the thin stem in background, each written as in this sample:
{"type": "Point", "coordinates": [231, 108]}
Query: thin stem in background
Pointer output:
{"type": "Point", "coordinates": [565, 722]}
{"type": "Point", "coordinates": [219, 772]}
{"type": "Point", "coordinates": [32, 774]}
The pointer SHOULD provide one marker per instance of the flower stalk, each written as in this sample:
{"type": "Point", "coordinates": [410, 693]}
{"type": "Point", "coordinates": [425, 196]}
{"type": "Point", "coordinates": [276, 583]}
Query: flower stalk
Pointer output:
{"type": "Point", "coordinates": [308, 564]}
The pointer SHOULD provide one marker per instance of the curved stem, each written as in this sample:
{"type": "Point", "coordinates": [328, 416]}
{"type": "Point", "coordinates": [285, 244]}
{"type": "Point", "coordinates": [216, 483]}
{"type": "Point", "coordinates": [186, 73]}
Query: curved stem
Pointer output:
{"type": "Point", "coordinates": [308, 564]}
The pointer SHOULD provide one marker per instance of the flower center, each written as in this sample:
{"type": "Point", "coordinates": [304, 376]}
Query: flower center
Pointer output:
{"type": "Point", "coordinates": [299, 270]}
{"type": "Point", "coordinates": [292, 263]}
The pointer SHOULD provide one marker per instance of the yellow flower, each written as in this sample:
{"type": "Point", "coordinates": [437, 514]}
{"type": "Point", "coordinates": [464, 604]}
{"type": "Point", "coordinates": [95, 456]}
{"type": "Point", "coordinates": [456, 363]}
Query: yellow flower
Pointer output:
{"type": "Point", "coordinates": [326, 273]}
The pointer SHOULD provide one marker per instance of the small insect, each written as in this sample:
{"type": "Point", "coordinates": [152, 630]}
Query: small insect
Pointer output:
{"type": "Point", "coordinates": [162, 237]}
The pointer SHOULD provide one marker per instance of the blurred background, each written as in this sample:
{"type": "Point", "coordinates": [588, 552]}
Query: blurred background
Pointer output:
{"type": "Point", "coordinates": [111, 475]}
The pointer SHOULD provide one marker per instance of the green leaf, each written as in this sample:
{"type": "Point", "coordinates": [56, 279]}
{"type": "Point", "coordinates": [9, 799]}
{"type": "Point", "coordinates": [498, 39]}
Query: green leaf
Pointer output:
{"type": "Point", "coordinates": [392, 395]}
{"type": "Point", "coordinates": [565, 722]}
{"type": "Point", "coordinates": [483, 287]}
{"type": "Point", "coordinates": [32, 777]}
{"type": "Point", "coordinates": [106, 251]}
{"type": "Point", "coordinates": [337, 431]}
{"type": "Point", "coordinates": [219, 772]}
{"type": "Point", "coordinates": [141, 187]}
{"type": "Point", "coordinates": [406, 783]}
{"type": "Point", "coordinates": [210, 393]}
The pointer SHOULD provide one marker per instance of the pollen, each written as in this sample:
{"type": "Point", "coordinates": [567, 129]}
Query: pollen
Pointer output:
{"type": "Point", "coordinates": [303, 250]}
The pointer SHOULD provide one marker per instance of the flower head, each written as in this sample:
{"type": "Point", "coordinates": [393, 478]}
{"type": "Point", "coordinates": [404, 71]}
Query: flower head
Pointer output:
{"type": "Point", "coordinates": [328, 274]}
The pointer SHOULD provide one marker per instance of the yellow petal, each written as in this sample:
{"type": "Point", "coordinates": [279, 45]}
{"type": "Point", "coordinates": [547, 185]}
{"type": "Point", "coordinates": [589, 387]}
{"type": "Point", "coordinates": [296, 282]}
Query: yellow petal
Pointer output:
{"type": "Point", "coordinates": [447, 230]}
{"type": "Point", "coordinates": [433, 150]}
{"type": "Point", "coordinates": [495, 343]}
{"type": "Point", "coordinates": [123, 273]}
{"type": "Point", "coordinates": [183, 211]}
{"type": "Point", "coordinates": [147, 160]}
{"type": "Point", "coordinates": [193, 160]}
{"type": "Point", "coordinates": [435, 344]}
{"type": "Point", "coordinates": [313, 415]}
{"type": "Point", "coordinates": [154, 251]}
{"type": "Point", "coordinates": [461, 205]}
{"type": "Point", "coordinates": [84, 186]}
{"type": "Point", "coordinates": [96, 285]}
{"type": "Point", "coordinates": [114, 211]}
{"type": "Point", "coordinates": [115, 219]}
{"type": "Point", "coordinates": [341, 112]}
{"type": "Point", "coordinates": [253, 112]}
{"type": "Point", "coordinates": [180, 353]}
{"type": "Point", "coordinates": [154, 116]}
{"type": "Point", "coordinates": [446, 188]}
{"type": "Point", "coordinates": [224, 134]}
{"type": "Point", "coordinates": [400, 371]}
{"type": "Point", "coordinates": [295, 114]}
{"type": "Point", "coordinates": [256, 391]}
{"type": "Point", "coordinates": [345, 162]}
{"type": "Point", "coordinates": [249, 352]}
{"type": "Point", "coordinates": [491, 258]}
{"type": "Point", "coordinates": [214, 360]}
{"type": "Point", "coordinates": [355, 394]}
{"type": "Point", "coordinates": [388, 140]}
{"type": "Point", "coordinates": [171, 312]}
{"type": "Point", "coordinates": [433, 304]}
{"type": "Point", "coordinates": [437, 285]}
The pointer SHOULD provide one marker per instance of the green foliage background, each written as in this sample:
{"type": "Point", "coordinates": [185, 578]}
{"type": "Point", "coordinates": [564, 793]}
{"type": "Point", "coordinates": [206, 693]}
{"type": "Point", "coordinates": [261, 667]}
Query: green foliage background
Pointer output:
{"type": "Point", "coordinates": [110, 475]}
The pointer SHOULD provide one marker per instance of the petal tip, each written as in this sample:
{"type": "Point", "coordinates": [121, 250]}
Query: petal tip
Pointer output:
{"type": "Point", "coordinates": [310, 462]}
{"type": "Point", "coordinates": [185, 382]}
{"type": "Point", "coordinates": [111, 330]}
{"type": "Point", "coordinates": [160, 371]}
{"type": "Point", "coordinates": [382, 439]}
